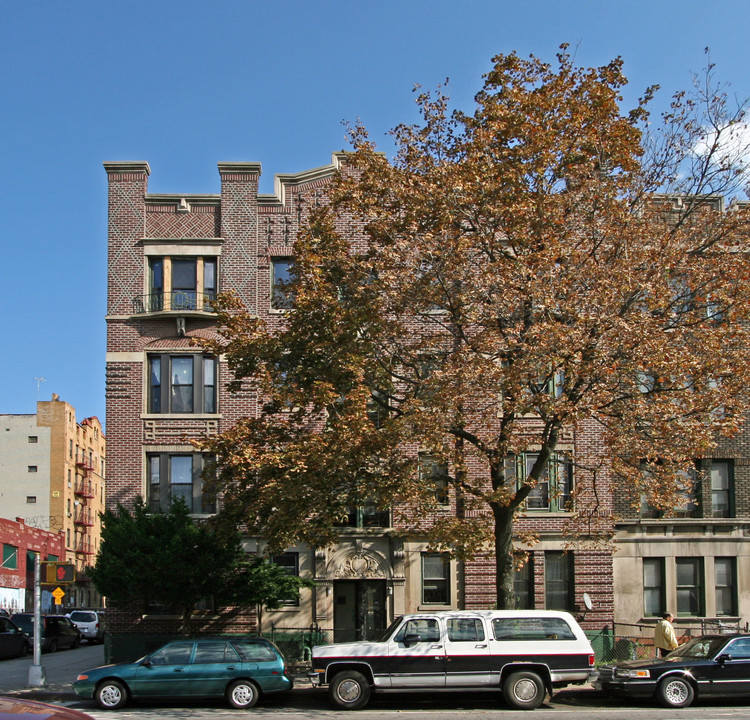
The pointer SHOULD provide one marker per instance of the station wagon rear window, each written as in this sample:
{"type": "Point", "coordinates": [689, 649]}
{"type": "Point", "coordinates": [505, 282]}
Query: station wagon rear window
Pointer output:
{"type": "Point", "coordinates": [254, 652]}
{"type": "Point", "coordinates": [533, 628]}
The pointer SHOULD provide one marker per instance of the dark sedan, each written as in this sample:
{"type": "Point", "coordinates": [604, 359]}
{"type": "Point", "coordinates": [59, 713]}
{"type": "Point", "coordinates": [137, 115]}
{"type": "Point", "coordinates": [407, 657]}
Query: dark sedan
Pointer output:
{"type": "Point", "coordinates": [706, 666]}
{"type": "Point", "coordinates": [14, 642]}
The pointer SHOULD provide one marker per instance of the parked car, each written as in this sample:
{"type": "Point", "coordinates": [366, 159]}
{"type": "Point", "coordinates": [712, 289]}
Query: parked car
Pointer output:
{"type": "Point", "coordinates": [12, 707]}
{"type": "Point", "coordinates": [239, 669]}
{"type": "Point", "coordinates": [14, 642]}
{"type": "Point", "coordinates": [58, 632]}
{"type": "Point", "coordinates": [90, 624]}
{"type": "Point", "coordinates": [717, 665]}
{"type": "Point", "coordinates": [526, 653]}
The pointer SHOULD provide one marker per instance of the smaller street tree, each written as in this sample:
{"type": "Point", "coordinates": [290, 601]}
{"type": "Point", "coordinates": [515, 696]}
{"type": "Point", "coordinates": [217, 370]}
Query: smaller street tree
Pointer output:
{"type": "Point", "coordinates": [168, 558]}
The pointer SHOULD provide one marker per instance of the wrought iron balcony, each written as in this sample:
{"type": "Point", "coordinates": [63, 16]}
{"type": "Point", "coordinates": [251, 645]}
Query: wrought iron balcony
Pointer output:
{"type": "Point", "coordinates": [181, 301]}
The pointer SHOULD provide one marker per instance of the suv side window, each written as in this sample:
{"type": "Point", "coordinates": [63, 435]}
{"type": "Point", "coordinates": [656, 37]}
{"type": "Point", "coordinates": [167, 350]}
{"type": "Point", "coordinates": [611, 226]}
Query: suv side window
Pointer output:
{"type": "Point", "coordinates": [427, 629]}
{"type": "Point", "coordinates": [465, 629]}
{"type": "Point", "coordinates": [548, 628]}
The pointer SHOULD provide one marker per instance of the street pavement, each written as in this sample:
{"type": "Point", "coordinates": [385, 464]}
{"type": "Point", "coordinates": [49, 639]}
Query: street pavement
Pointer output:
{"type": "Point", "coordinates": [307, 703]}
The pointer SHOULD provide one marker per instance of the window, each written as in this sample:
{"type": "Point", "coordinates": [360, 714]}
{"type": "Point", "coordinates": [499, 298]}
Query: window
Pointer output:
{"type": "Point", "coordinates": [180, 283]}
{"type": "Point", "coordinates": [520, 628]}
{"type": "Point", "coordinates": [553, 490]}
{"type": "Point", "coordinates": [10, 557]}
{"type": "Point", "coordinates": [722, 490]}
{"type": "Point", "coordinates": [70, 449]}
{"type": "Point", "coordinates": [689, 586]}
{"type": "Point", "coordinates": [465, 629]}
{"type": "Point", "coordinates": [31, 499]}
{"type": "Point", "coordinates": [427, 629]}
{"type": "Point", "coordinates": [725, 582]}
{"type": "Point", "coordinates": [33, 438]}
{"type": "Point", "coordinates": [688, 496]}
{"type": "Point", "coordinates": [653, 587]}
{"type": "Point", "coordinates": [434, 473]}
{"type": "Point", "coordinates": [173, 654]}
{"type": "Point", "coordinates": [289, 561]}
{"type": "Point", "coordinates": [558, 580]}
{"type": "Point", "coordinates": [435, 585]}
{"type": "Point", "coordinates": [178, 475]}
{"type": "Point", "coordinates": [214, 652]}
{"type": "Point", "coordinates": [32, 468]}
{"type": "Point", "coordinates": [281, 299]}
{"type": "Point", "coordinates": [378, 408]}
{"type": "Point", "coordinates": [181, 383]}
{"type": "Point", "coordinates": [367, 516]}
{"type": "Point", "coordinates": [523, 584]}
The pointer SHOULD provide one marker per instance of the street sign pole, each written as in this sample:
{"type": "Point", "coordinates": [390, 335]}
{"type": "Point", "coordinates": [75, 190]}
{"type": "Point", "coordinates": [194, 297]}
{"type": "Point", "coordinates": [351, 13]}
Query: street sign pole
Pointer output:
{"type": "Point", "coordinates": [37, 676]}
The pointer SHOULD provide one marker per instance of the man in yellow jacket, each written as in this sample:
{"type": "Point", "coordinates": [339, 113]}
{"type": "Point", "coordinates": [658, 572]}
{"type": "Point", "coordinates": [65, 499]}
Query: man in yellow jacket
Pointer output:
{"type": "Point", "coordinates": [664, 638]}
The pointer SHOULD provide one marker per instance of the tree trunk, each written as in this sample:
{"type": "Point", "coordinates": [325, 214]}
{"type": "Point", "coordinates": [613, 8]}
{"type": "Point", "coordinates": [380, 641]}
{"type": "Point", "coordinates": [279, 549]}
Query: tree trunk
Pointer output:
{"type": "Point", "coordinates": [504, 563]}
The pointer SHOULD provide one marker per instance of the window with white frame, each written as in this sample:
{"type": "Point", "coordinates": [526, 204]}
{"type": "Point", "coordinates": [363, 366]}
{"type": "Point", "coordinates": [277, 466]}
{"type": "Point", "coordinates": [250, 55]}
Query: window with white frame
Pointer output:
{"type": "Point", "coordinates": [182, 383]}
{"type": "Point", "coordinates": [722, 489]}
{"type": "Point", "coordinates": [435, 579]}
{"type": "Point", "coordinates": [289, 562]}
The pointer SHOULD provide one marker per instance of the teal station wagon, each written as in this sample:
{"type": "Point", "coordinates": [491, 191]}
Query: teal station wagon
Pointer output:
{"type": "Point", "coordinates": [238, 669]}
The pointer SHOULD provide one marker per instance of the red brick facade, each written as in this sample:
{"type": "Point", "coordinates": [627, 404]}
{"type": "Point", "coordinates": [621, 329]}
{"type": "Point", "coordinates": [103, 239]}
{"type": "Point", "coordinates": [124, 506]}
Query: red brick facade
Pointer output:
{"type": "Point", "coordinates": [17, 540]}
{"type": "Point", "coordinates": [243, 231]}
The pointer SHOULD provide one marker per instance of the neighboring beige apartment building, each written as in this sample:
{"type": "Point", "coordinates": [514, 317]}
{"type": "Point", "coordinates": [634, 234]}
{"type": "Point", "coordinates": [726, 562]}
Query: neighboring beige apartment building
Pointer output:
{"type": "Point", "coordinates": [52, 475]}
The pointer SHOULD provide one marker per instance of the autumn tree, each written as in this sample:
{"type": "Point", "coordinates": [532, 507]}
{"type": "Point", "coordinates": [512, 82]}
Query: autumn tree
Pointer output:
{"type": "Point", "coordinates": [168, 558]}
{"type": "Point", "coordinates": [510, 275]}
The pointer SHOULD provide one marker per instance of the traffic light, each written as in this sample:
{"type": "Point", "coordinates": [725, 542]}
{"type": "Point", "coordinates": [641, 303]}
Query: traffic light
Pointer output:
{"type": "Point", "coordinates": [59, 573]}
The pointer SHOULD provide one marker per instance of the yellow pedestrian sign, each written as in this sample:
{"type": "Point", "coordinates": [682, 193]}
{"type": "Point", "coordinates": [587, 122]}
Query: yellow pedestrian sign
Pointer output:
{"type": "Point", "coordinates": [58, 594]}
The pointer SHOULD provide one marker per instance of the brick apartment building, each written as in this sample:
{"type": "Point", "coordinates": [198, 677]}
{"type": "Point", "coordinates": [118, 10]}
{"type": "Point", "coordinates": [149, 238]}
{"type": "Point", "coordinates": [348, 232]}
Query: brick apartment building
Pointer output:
{"type": "Point", "coordinates": [168, 256]}
{"type": "Point", "coordinates": [52, 470]}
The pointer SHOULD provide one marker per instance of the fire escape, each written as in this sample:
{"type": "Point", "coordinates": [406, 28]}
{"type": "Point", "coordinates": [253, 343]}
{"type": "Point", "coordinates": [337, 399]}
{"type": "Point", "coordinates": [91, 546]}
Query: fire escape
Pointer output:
{"type": "Point", "coordinates": [83, 517]}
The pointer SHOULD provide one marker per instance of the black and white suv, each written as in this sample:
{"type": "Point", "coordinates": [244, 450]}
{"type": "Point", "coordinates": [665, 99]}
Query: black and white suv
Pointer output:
{"type": "Point", "coordinates": [526, 653]}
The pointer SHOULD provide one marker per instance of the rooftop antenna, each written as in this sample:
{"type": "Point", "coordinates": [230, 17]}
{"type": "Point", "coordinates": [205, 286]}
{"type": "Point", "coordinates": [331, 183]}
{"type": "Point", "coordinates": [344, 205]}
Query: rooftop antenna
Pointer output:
{"type": "Point", "coordinates": [39, 381]}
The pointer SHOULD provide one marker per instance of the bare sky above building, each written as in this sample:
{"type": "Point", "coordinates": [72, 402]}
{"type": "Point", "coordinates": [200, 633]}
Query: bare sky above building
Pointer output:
{"type": "Point", "coordinates": [184, 84]}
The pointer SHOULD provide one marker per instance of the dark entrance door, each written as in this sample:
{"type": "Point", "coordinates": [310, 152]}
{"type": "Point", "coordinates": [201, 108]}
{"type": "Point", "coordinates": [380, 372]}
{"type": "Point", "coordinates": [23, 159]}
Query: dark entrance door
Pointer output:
{"type": "Point", "coordinates": [358, 609]}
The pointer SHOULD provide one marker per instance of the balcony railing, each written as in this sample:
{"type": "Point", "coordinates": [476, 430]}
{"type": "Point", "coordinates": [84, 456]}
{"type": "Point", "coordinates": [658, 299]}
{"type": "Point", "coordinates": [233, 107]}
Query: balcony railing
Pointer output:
{"type": "Point", "coordinates": [83, 548]}
{"type": "Point", "coordinates": [181, 301]}
{"type": "Point", "coordinates": [83, 518]}
{"type": "Point", "coordinates": [83, 488]}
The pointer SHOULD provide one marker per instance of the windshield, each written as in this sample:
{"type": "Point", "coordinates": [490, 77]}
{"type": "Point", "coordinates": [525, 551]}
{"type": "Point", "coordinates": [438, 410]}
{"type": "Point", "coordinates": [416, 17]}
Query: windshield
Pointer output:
{"type": "Point", "coordinates": [700, 648]}
{"type": "Point", "coordinates": [389, 631]}
{"type": "Point", "coordinates": [25, 622]}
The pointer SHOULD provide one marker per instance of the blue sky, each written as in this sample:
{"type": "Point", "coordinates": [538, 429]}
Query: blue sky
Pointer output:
{"type": "Point", "coordinates": [185, 84]}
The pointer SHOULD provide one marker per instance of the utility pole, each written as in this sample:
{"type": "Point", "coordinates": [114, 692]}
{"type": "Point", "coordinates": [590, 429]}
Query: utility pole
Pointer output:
{"type": "Point", "coordinates": [37, 676]}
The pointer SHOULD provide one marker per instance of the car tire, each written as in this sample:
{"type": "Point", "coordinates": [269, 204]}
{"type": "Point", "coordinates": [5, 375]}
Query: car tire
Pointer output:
{"type": "Point", "coordinates": [524, 690]}
{"type": "Point", "coordinates": [110, 695]}
{"type": "Point", "coordinates": [349, 690]}
{"type": "Point", "coordinates": [76, 643]}
{"type": "Point", "coordinates": [675, 692]}
{"type": "Point", "coordinates": [53, 646]}
{"type": "Point", "coordinates": [242, 694]}
{"type": "Point", "coordinates": [24, 651]}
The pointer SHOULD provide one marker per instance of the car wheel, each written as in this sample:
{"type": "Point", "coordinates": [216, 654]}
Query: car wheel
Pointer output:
{"type": "Point", "coordinates": [524, 690]}
{"type": "Point", "coordinates": [242, 694]}
{"type": "Point", "coordinates": [24, 650]}
{"type": "Point", "coordinates": [111, 695]}
{"type": "Point", "coordinates": [349, 690]}
{"type": "Point", "coordinates": [53, 646]}
{"type": "Point", "coordinates": [675, 692]}
{"type": "Point", "coordinates": [76, 643]}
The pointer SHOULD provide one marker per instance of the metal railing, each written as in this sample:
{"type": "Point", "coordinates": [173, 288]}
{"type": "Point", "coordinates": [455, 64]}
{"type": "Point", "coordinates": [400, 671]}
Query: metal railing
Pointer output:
{"type": "Point", "coordinates": [180, 301]}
